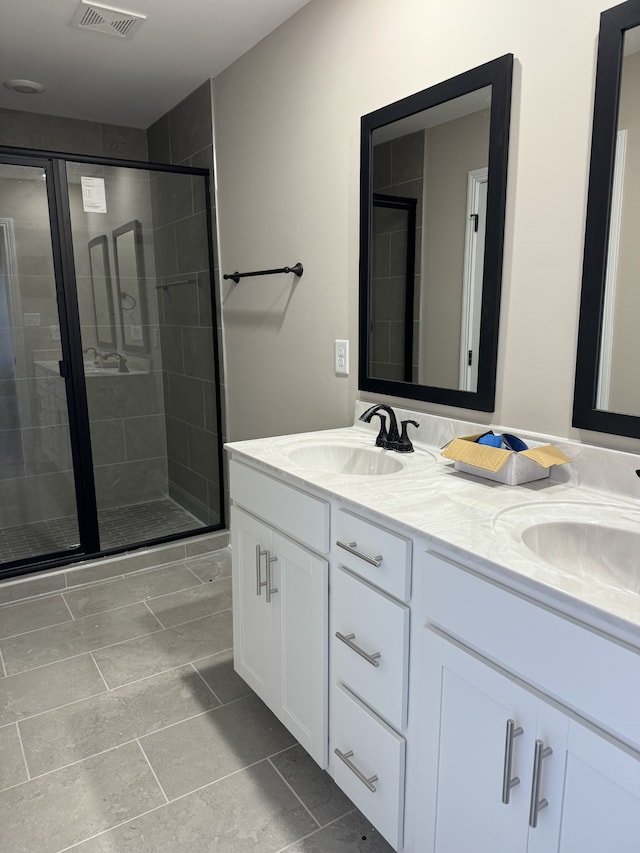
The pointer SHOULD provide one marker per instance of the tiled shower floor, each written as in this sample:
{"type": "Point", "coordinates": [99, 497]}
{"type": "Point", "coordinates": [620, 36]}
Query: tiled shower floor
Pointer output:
{"type": "Point", "coordinates": [119, 526]}
{"type": "Point", "coordinates": [124, 729]}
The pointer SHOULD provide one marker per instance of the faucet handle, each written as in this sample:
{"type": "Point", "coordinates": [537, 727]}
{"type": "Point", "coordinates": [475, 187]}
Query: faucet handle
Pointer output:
{"type": "Point", "coordinates": [382, 439]}
{"type": "Point", "coordinates": [405, 445]}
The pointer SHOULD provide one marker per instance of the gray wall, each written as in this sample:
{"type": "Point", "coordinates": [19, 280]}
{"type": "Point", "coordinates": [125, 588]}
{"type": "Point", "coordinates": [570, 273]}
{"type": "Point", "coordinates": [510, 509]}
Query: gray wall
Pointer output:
{"type": "Point", "coordinates": [184, 136]}
{"type": "Point", "coordinates": [454, 148]}
{"type": "Point", "coordinates": [71, 136]}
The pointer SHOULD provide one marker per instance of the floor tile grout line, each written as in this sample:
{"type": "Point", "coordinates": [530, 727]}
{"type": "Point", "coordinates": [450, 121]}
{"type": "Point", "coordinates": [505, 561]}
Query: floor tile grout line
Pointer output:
{"type": "Point", "coordinates": [208, 686]}
{"type": "Point", "coordinates": [104, 681]}
{"type": "Point", "coordinates": [155, 775]}
{"type": "Point", "coordinates": [120, 642]}
{"type": "Point", "coordinates": [110, 689]}
{"type": "Point", "coordinates": [30, 599]}
{"type": "Point", "coordinates": [69, 571]}
{"type": "Point", "coordinates": [315, 832]}
{"type": "Point", "coordinates": [24, 755]}
{"type": "Point", "coordinates": [295, 794]}
{"type": "Point", "coordinates": [195, 575]}
{"type": "Point", "coordinates": [128, 603]}
{"type": "Point", "coordinates": [171, 668]}
{"type": "Point", "coordinates": [110, 828]}
{"type": "Point", "coordinates": [136, 738]}
{"type": "Point", "coordinates": [42, 628]}
{"type": "Point", "coordinates": [68, 622]}
{"type": "Point", "coordinates": [146, 604]}
{"type": "Point", "coordinates": [2, 664]}
{"type": "Point", "coordinates": [67, 606]}
{"type": "Point", "coordinates": [163, 806]}
{"type": "Point", "coordinates": [127, 684]}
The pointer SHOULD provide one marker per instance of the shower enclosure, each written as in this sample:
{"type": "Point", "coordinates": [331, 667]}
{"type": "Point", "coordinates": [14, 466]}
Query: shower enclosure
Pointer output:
{"type": "Point", "coordinates": [110, 426]}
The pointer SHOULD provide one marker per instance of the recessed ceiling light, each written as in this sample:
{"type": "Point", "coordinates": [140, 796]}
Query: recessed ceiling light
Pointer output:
{"type": "Point", "coordinates": [24, 87]}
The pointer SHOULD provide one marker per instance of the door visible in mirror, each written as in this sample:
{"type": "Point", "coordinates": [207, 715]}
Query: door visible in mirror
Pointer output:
{"type": "Point", "coordinates": [607, 391]}
{"type": "Point", "coordinates": [432, 222]}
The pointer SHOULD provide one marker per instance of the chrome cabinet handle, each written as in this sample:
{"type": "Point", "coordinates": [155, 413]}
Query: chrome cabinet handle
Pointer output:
{"type": "Point", "coordinates": [259, 583]}
{"type": "Point", "coordinates": [270, 589]}
{"type": "Point", "coordinates": [351, 547]}
{"type": "Point", "coordinates": [537, 804]}
{"type": "Point", "coordinates": [348, 639]}
{"type": "Point", "coordinates": [509, 782]}
{"type": "Point", "coordinates": [345, 756]}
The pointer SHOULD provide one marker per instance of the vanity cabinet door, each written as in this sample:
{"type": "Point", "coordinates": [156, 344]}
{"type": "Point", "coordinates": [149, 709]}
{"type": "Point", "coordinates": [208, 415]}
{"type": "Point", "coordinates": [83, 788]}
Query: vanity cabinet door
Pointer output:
{"type": "Point", "coordinates": [601, 798]}
{"type": "Point", "coordinates": [585, 785]}
{"type": "Point", "coordinates": [465, 757]}
{"type": "Point", "coordinates": [280, 627]}
{"type": "Point", "coordinates": [252, 616]}
{"type": "Point", "coordinates": [300, 611]}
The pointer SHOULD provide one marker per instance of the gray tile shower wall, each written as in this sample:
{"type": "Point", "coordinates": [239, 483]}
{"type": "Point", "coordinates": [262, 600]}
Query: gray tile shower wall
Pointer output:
{"type": "Point", "coordinates": [70, 135]}
{"type": "Point", "coordinates": [184, 136]}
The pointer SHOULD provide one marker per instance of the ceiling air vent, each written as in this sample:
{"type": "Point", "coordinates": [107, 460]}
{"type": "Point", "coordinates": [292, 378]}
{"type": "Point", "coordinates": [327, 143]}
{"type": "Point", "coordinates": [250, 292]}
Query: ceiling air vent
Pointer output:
{"type": "Point", "coordinates": [107, 20]}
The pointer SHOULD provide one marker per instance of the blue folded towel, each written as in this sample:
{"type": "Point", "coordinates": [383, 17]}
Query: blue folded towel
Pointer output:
{"type": "Point", "coordinates": [491, 440]}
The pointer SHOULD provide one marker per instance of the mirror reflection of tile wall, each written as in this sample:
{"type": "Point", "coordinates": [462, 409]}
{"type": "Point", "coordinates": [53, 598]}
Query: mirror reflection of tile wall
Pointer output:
{"type": "Point", "coordinates": [398, 170]}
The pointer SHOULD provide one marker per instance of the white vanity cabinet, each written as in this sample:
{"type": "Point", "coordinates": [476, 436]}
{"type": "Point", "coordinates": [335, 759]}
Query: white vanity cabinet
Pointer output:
{"type": "Point", "coordinates": [280, 591]}
{"type": "Point", "coordinates": [504, 768]}
{"type": "Point", "coordinates": [426, 684]}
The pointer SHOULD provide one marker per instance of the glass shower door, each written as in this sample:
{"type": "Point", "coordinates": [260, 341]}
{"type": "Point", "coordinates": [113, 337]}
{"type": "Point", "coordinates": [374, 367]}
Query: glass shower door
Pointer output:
{"type": "Point", "coordinates": [38, 510]}
{"type": "Point", "coordinates": [142, 267]}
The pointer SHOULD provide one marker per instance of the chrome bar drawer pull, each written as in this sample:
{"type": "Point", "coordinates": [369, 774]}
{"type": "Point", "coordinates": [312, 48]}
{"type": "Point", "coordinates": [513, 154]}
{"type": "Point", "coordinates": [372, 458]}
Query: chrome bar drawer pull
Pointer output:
{"type": "Point", "coordinates": [348, 639]}
{"type": "Point", "coordinates": [509, 782]}
{"type": "Point", "coordinates": [270, 589]}
{"type": "Point", "coordinates": [537, 804]}
{"type": "Point", "coordinates": [259, 583]}
{"type": "Point", "coordinates": [345, 756]}
{"type": "Point", "coordinates": [351, 547]}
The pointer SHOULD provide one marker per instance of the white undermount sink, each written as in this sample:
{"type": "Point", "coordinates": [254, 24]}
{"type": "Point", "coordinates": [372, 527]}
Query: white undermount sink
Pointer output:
{"type": "Point", "coordinates": [598, 542]}
{"type": "Point", "coordinates": [346, 459]}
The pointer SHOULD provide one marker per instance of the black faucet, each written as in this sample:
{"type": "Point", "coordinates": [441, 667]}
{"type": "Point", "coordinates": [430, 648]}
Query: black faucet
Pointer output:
{"type": "Point", "coordinates": [122, 361]}
{"type": "Point", "coordinates": [390, 439]}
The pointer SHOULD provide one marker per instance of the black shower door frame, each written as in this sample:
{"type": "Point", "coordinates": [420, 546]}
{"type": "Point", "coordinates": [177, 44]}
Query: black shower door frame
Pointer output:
{"type": "Point", "coordinates": [54, 165]}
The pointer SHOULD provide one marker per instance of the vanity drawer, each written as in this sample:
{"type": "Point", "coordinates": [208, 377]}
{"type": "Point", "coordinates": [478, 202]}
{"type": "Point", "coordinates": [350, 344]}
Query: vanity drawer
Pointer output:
{"type": "Point", "coordinates": [379, 626]}
{"type": "Point", "coordinates": [376, 759]}
{"type": "Point", "coordinates": [304, 517]}
{"type": "Point", "coordinates": [381, 557]}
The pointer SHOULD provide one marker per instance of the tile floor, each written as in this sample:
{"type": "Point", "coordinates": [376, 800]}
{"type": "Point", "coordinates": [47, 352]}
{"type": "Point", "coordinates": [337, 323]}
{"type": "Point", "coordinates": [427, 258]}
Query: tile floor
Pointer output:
{"type": "Point", "coordinates": [123, 727]}
{"type": "Point", "coordinates": [119, 526]}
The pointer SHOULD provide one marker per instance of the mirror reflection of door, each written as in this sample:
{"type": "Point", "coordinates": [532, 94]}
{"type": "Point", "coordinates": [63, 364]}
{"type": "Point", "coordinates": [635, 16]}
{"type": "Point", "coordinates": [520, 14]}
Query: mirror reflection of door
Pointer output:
{"type": "Point", "coordinates": [476, 219]}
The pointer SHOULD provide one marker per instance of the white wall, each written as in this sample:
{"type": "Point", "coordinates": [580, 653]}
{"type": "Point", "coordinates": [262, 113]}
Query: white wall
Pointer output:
{"type": "Point", "coordinates": [287, 135]}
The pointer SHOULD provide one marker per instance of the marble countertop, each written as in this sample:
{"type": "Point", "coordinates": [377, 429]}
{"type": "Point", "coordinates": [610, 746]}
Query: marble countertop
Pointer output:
{"type": "Point", "coordinates": [462, 516]}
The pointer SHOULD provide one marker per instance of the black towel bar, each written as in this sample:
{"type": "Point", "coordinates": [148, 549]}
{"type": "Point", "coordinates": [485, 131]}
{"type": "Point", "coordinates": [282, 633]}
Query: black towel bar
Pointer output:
{"type": "Point", "coordinates": [236, 276]}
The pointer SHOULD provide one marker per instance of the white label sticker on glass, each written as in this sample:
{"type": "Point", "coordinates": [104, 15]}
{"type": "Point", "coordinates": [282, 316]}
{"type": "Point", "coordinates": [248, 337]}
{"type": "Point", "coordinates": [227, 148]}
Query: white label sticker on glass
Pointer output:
{"type": "Point", "coordinates": [94, 199]}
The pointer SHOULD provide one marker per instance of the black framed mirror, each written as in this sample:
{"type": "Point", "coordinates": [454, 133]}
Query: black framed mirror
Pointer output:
{"type": "Point", "coordinates": [101, 292]}
{"type": "Point", "coordinates": [607, 390]}
{"type": "Point", "coordinates": [430, 292]}
{"type": "Point", "coordinates": [128, 256]}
